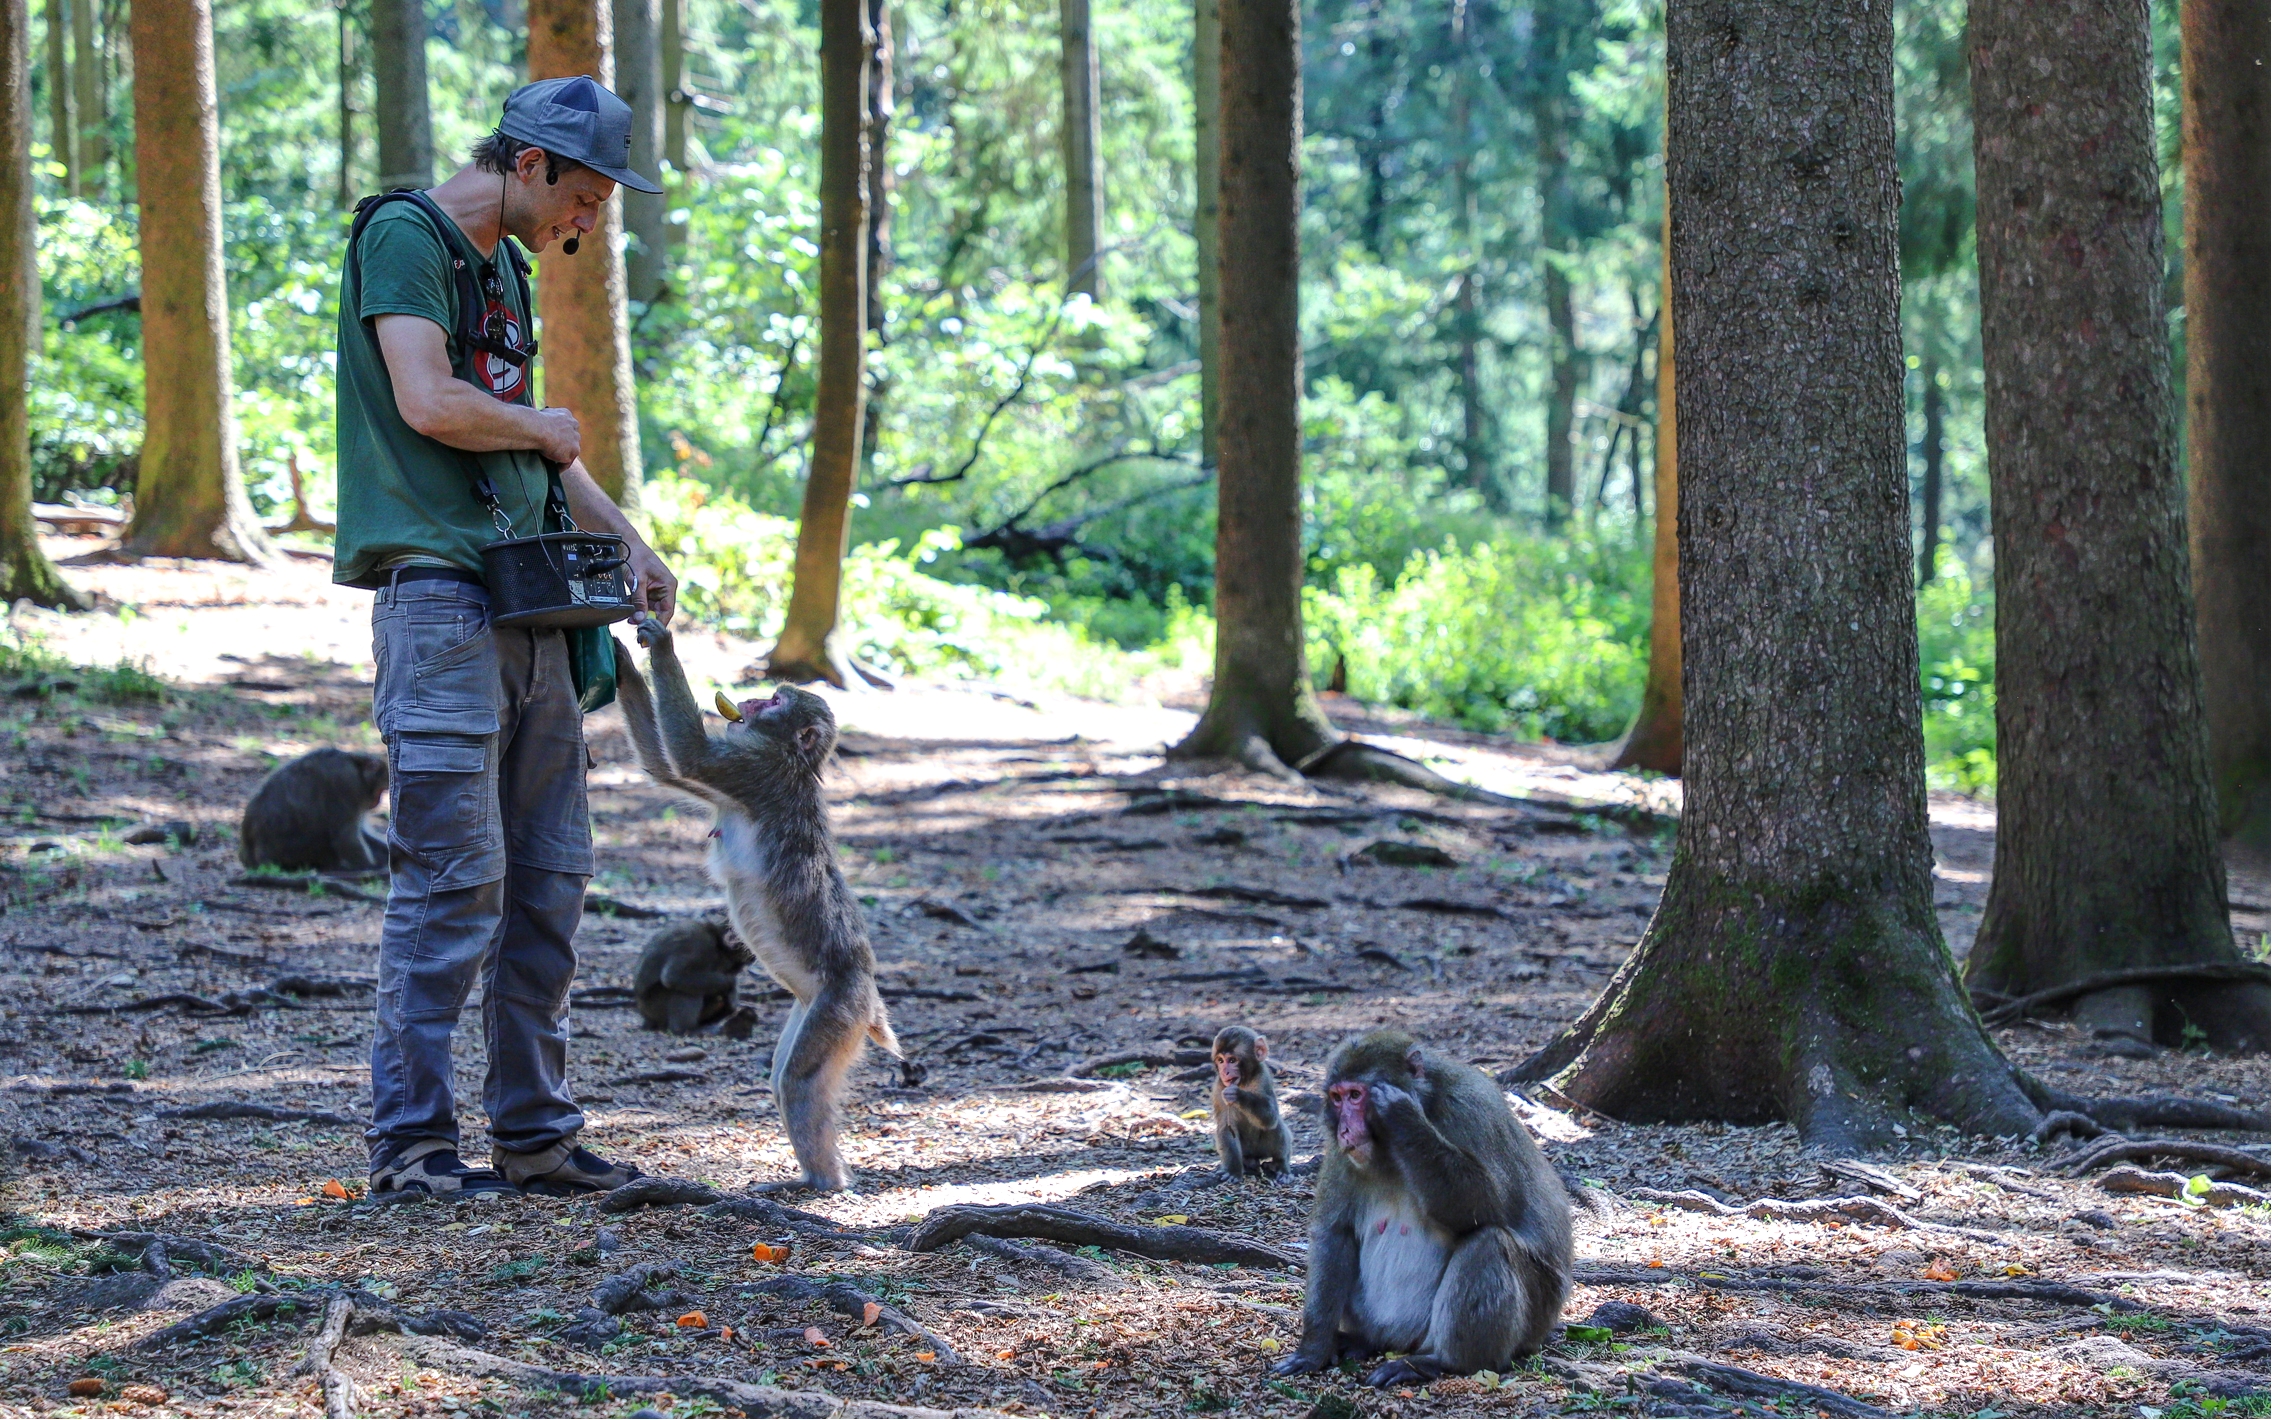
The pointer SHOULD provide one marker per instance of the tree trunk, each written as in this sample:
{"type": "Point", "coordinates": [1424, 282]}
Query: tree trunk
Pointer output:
{"type": "Point", "coordinates": [639, 83]}
{"type": "Point", "coordinates": [1206, 213]}
{"type": "Point", "coordinates": [2106, 843]}
{"type": "Point", "coordinates": [807, 650]}
{"type": "Point", "coordinates": [1654, 741]}
{"type": "Point", "coordinates": [62, 100]}
{"type": "Point", "coordinates": [1929, 516]}
{"type": "Point", "coordinates": [92, 113]}
{"type": "Point", "coordinates": [2228, 404]}
{"type": "Point", "coordinates": [580, 299]}
{"type": "Point", "coordinates": [879, 219]}
{"type": "Point", "coordinates": [1475, 452]}
{"type": "Point", "coordinates": [189, 498]}
{"type": "Point", "coordinates": [1553, 202]}
{"type": "Point", "coordinates": [24, 568]}
{"type": "Point", "coordinates": [405, 119]}
{"type": "Point", "coordinates": [1084, 171]}
{"type": "Point", "coordinates": [1794, 970]}
{"type": "Point", "coordinates": [347, 193]}
{"type": "Point", "coordinates": [1261, 711]}
{"type": "Point", "coordinates": [671, 48]}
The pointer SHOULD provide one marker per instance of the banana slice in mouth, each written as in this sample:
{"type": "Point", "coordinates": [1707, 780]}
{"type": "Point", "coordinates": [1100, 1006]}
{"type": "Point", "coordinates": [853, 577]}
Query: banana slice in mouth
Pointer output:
{"type": "Point", "coordinates": [727, 707]}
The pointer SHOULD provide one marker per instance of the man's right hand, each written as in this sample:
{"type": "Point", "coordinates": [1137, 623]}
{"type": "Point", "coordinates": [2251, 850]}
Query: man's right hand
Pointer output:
{"type": "Point", "coordinates": [560, 440]}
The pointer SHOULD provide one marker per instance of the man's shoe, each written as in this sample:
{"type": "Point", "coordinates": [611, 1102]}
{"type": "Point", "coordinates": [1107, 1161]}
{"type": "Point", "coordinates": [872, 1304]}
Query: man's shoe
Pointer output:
{"type": "Point", "coordinates": [431, 1168]}
{"type": "Point", "coordinates": [562, 1171]}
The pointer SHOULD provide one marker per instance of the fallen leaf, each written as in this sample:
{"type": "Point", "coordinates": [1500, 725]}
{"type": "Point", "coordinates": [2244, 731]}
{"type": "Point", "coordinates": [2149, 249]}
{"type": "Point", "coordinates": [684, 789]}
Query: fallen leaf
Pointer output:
{"type": "Point", "coordinates": [1172, 1219]}
{"type": "Point", "coordinates": [1267, 1343]}
{"type": "Point", "coordinates": [766, 1252]}
{"type": "Point", "coordinates": [303, 1202]}
{"type": "Point", "coordinates": [1940, 1272]}
{"type": "Point", "coordinates": [725, 1333]}
{"type": "Point", "coordinates": [926, 1355]}
{"type": "Point", "coordinates": [1005, 1355]}
{"type": "Point", "coordinates": [2014, 1269]}
{"type": "Point", "coordinates": [869, 1312]}
{"type": "Point", "coordinates": [695, 1320]}
{"type": "Point", "coordinates": [1656, 1262]}
{"type": "Point", "coordinates": [814, 1338]}
{"type": "Point", "coordinates": [144, 1395]}
{"type": "Point", "coordinates": [333, 1188]}
{"type": "Point", "coordinates": [86, 1385]}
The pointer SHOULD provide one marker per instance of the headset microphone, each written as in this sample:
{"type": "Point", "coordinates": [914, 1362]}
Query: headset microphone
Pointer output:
{"type": "Point", "coordinates": [568, 247]}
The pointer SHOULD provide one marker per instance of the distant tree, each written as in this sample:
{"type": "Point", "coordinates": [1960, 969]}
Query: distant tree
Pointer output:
{"type": "Point", "coordinates": [1206, 214]}
{"type": "Point", "coordinates": [1795, 969]}
{"type": "Point", "coordinates": [1932, 444]}
{"type": "Point", "coordinates": [189, 497]}
{"type": "Point", "coordinates": [1654, 740]}
{"type": "Point", "coordinates": [639, 83]}
{"type": "Point", "coordinates": [2228, 401]}
{"type": "Point", "coordinates": [1550, 120]}
{"type": "Point", "coordinates": [1084, 153]}
{"type": "Point", "coordinates": [585, 328]}
{"type": "Point", "coordinates": [92, 99]}
{"type": "Point", "coordinates": [405, 118]}
{"type": "Point", "coordinates": [807, 649]}
{"type": "Point", "coordinates": [2106, 836]}
{"type": "Point", "coordinates": [24, 568]}
{"type": "Point", "coordinates": [62, 101]}
{"type": "Point", "coordinates": [350, 73]}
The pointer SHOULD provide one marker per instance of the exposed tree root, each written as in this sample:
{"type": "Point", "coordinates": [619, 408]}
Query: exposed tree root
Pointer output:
{"type": "Point", "coordinates": [752, 1208]}
{"type": "Point", "coordinates": [1735, 1380]}
{"type": "Point", "coordinates": [2177, 1185]}
{"type": "Point", "coordinates": [2150, 1111]}
{"type": "Point", "coordinates": [332, 885]}
{"type": "Point", "coordinates": [1855, 1171]}
{"type": "Point", "coordinates": [850, 1301]}
{"type": "Point", "coordinates": [2005, 1010]}
{"type": "Point", "coordinates": [1067, 1225]}
{"type": "Point", "coordinates": [211, 1256]}
{"type": "Point", "coordinates": [1776, 1210]}
{"type": "Point", "coordinates": [1149, 1059]}
{"type": "Point", "coordinates": [617, 907]}
{"type": "Point", "coordinates": [2114, 1149]}
{"type": "Point", "coordinates": [254, 1306]}
{"type": "Point", "coordinates": [1065, 1264]}
{"type": "Point", "coordinates": [274, 1114]}
{"type": "Point", "coordinates": [1358, 762]}
{"type": "Point", "coordinates": [658, 1193]}
{"type": "Point", "coordinates": [2013, 1291]}
{"type": "Point", "coordinates": [338, 1390]}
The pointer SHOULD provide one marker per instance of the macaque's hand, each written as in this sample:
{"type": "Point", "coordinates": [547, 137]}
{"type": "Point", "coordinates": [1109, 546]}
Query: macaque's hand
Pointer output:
{"type": "Point", "coordinates": [559, 439]}
{"type": "Point", "coordinates": [1301, 1363]}
{"type": "Point", "coordinates": [657, 589]}
{"type": "Point", "coordinates": [651, 632]}
{"type": "Point", "coordinates": [1384, 1099]}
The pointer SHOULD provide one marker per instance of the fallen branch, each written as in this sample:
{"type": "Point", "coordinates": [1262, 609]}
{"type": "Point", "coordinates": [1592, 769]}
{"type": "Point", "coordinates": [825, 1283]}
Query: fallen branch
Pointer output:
{"type": "Point", "coordinates": [1232, 892]}
{"type": "Point", "coordinates": [1149, 1059]}
{"type": "Point", "coordinates": [1065, 1264]}
{"type": "Point", "coordinates": [338, 1390]}
{"type": "Point", "coordinates": [1870, 1176]}
{"type": "Point", "coordinates": [1737, 1381]}
{"type": "Point", "coordinates": [231, 1003]}
{"type": "Point", "coordinates": [241, 1109]}
{"type": "Point", "coordinates": [748, 1398]}
{"type": "Point", "coordinates": [850, 1301]}
{"type": "Point", "coordinates": [1067, 1225]}
{"type": "Point", "coordinates": [2005, 1012]}
{"type": "Point", "coordinates": [1815, 1210]}
{"type": "Point", "coordinates": [2177, 1185]}
{"type": "Point", "coordinates": [2115, 1149]}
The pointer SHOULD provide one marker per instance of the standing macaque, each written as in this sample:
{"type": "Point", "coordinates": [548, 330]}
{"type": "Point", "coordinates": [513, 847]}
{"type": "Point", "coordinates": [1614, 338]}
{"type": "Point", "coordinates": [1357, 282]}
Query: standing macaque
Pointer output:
{"type": "Point", "coordinates": [773, 855]}
{"type": "Point", "coordinates": [1439, 1229]}
{"type": "Point", "coordinates": [1250, 1133]}
{"type": "Point", "coordinates": [687, 976]}
{"type": "Point", "coordinates": [313, 813]}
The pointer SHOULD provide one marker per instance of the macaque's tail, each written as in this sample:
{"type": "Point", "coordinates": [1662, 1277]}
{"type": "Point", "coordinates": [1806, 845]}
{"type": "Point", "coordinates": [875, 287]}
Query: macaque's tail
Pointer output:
{"type": "Point", "coordinates": [880, 1031]}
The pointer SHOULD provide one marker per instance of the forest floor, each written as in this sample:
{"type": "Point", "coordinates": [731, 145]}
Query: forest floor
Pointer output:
{"type": "Point", "coordinates": [1044, 892]}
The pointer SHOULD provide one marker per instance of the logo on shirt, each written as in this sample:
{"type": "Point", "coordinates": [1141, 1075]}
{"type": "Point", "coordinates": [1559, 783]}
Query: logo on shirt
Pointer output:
{"type": "Point", "coordinates": [497, 375]}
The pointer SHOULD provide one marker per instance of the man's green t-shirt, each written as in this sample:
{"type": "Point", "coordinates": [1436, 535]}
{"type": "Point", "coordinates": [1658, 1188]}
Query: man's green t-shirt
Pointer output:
{"type": "Point", "coordinates": [405, 497]}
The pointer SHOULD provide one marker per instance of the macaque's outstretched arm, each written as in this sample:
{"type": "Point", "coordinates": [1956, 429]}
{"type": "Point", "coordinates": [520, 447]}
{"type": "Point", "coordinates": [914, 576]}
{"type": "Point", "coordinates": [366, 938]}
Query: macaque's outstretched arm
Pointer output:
{"type": "Point", "coordinates": [677, 716]}
{"type": "Point", "coordinates": [639, 721]}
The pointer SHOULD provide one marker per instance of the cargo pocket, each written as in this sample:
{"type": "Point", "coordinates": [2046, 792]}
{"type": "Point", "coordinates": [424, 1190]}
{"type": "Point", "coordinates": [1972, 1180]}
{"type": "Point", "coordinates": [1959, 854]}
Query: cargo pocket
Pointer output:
{"type": "Point", "coordinates": [445, 807]}
{"type": "Point", "coordinates": [448, 683]}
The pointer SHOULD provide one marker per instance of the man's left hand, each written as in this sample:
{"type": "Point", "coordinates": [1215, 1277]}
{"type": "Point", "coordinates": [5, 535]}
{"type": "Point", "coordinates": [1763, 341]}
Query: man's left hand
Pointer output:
{"type": "Point", "coordinates": [657, 588]}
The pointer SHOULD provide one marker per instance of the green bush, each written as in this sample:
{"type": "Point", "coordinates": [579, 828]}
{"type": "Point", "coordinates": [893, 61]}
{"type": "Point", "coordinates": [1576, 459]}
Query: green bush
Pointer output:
{"type": "Point", "coordinates": [1956, 645]}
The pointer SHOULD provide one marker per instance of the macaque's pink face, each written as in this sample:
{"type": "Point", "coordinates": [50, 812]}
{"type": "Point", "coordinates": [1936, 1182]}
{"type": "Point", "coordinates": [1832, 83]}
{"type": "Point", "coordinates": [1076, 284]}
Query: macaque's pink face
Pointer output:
{"type": "Point", "coordinates": [1346, 1102]}
{"type": "Point", "coordinates": [753, 709]}
{"type": "Point", "coordinates": [1227, 1066]}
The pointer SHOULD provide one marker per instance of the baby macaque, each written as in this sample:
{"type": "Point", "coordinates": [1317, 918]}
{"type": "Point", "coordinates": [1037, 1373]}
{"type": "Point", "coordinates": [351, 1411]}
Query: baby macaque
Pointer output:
{"type": "Point", "coordinates": [687, 976]}
{"type": "Point", "coordinates": [1250, 1133]}
{"type": "Point", "coordinates": [313, 813]}
{"type": "Point", "coordinates": [1439, 1230]}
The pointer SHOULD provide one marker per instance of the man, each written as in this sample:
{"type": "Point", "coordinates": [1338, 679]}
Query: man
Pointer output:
{"type": "Point", "coordinates": [490, 844]}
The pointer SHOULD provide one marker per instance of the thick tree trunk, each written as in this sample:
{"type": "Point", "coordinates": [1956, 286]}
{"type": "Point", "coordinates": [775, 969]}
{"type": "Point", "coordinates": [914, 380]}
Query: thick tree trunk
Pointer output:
{"type": "Point", "coordinates": [880, 185]}
{"type": "Point", "coordinates": [639, 83]}
{"type": "Point", "coordinates": [580, 299]}
{"type": "Point", "coordinates": [347, 75]}
{"type": "Point", "coordinates": [1929, 514]}
{"type": "Point", "coordinates": [2228, 403]}
{"type": "Point", "coordinates": [189, 498]}
{"type": "Point", "coordinates": [1207, 212]}
{"type": "Point", "coordinates": [92, 110]}
{"type": "Point", "coordinates": [807, 650]}
{"type": "Point", "coordinates": [1084, 159]}
{"type": "Point", "coordinates": [405, 117]}
{"type": "Point", "coordinates": [2106, 843]}
{"type": "Point", "coordinates": [1654, 741]}
{"type": "Point", "coordinates": [1261, 710]}
{"type": "Point", "coordinates": [1794, 969]}
{"type": "Point", "coordinates": [24, 569]}
{"type": "Point", "coordinates": [62, 101]}
{"type": "Point", "coordinates": [671, 51]}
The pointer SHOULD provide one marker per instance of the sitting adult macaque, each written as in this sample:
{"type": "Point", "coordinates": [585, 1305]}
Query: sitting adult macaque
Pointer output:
{"type": "Point", "coordinates": [1439, 1229]}
{"type": "Point", "coordinates": [687, 976]}
{"type": "Point", "coordinates": [1250, 1133]}
{"type": "Point", "coordinates": [313, 813]}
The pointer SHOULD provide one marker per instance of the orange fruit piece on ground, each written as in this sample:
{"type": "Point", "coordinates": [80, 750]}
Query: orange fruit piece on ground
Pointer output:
{"type": "Point", "coordinates": [813, 1337]}
{"type": "Point", "coordinates": [333, 1188]}
{"type": "Point", "coordinates": [926, 1355]}
{"type": "Point", "coordinates": [694, 1319]}
{"type": "Point", "coordinates": [869, 1313]}
{"type": "Point", "coordinates": [86, 1385]}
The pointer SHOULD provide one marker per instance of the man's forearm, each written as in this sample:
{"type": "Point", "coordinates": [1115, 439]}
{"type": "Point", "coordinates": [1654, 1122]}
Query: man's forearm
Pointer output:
{"type": "Point", "coordinates": [467, 418]}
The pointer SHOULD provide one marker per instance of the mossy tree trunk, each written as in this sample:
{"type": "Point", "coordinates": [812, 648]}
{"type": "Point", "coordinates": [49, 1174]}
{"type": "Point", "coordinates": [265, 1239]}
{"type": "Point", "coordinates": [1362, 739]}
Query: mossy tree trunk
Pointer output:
{"type": "Point", "coordinates": [807, 649]}
{"type": "Point", "coordinates": [1794, 969]}
{"type": "Point", "coordinates": [1654, 740]}
{"type": "Point", "coordinates": [2228, 402]}
{"type": "Point", "coordinates": [2106, 843]}
{"type": "Point", "coordinates": [1261, 710]}
{"type": "Point", "coordinates": [404, 118]}
{"type": "Point", "coordinates": [62, 101]}
{"type": "Point", "coordinates": [1079, 140]}
{"type": "Point", "coordinates": [189, 498]}
{"type": "Point", "coordinates": [24, 569]}
{"type": "Point", "coordinates": [92, 108]}
{"type": "Point", "coordinates": [1206, 218]}
{"type": "Point", "coordinates": [586, 329]}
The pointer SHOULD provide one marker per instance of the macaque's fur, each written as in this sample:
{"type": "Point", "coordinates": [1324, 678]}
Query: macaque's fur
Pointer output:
{"type": "Point", "coordinates": [1439, 1229]}
{"type": "Point", "coordinates": [774, 857]}
{"type": "Point", "coordinates": [687, 976]}
{"type": "Point", "coordinates": [1250, 1133]}
{"type": "Point", "coordinates": [314, 813]}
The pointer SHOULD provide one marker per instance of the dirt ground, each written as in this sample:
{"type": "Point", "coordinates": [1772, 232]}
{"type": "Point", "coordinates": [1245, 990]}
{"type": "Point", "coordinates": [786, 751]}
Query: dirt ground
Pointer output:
{"type": "Point", "coordinates": [1009, 849]}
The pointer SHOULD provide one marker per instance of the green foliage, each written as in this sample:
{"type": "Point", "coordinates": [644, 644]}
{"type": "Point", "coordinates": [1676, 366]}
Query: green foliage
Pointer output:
{"type": "Point", "coordinates": [1956, 644]}
{"type": "Point", "coordinates": [28, 667]}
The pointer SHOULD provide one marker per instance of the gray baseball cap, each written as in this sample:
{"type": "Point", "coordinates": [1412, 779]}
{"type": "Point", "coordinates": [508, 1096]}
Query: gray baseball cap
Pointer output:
{"type": "Point", "coordinates": [577, 119]}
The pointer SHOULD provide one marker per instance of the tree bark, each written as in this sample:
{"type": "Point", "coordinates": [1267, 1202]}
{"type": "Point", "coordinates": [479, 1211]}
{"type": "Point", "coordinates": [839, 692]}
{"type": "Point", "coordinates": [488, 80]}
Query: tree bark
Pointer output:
{"type": "Point", "coordinates": [92, 113]}
{"type": "Point", "coordinates": [1654, 742]}
{"type": "Point", "coordinates": [24, 568]}
{"type": "Point", "coordinates": [1794, 969]}
{"type": "Point", "coordinates": [62, 100]}
{"type": "Point", "coordinates": [347, 194]}
{"type": "Point", "coordinates": [1084, 171]}
{"type": "Point", "coordinates": [2228, 403]}
{"type": "Point", "coordinates": [1475, 452]}
{"type": "Point", "coordinates": [1206, 213]}
{"type": "Point", "coordinates": [580, 299]}
{"type": "Point", "coordinates": [1563, 356]}
{"type": "Point", "coordinates": [671, 51]}
{"type": "Point", "coordinates": [189, 498]}
{"type": "Point", "coordinates": [880, 186]}
{"type": "Point", "coordinates": [405, 117]}
{"type": "Point", "coordinates": [807, 650]}
{"type": "Point", "coordinates": [2106, 843]}
{"type": "Point", "coordinates": [1929, 516]}
{"type": "Point", "coordinates": [1262, 710]}
{"type": "Point", "coordinates": [639, 83]}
